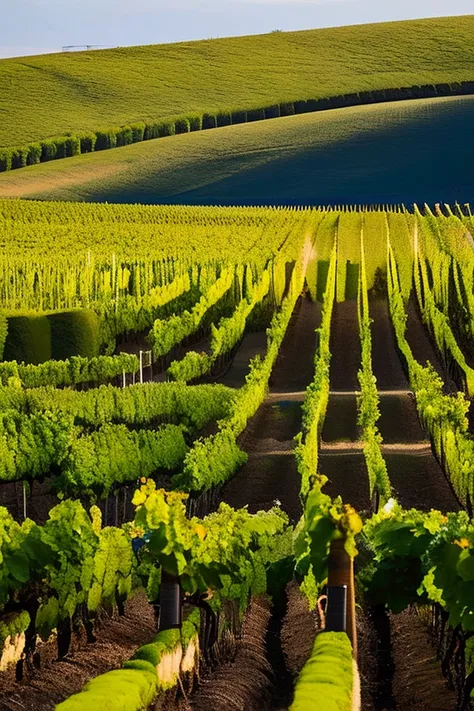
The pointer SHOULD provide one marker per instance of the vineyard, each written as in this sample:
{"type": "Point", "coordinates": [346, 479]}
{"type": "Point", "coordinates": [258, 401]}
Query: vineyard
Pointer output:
{"type": "Point", "coordinates": [236, 458]}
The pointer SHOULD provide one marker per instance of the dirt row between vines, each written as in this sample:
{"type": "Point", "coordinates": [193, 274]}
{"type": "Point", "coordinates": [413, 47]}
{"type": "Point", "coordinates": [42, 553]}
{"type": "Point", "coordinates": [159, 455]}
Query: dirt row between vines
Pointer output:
{"type": "Point", "coordinates": [276, 642]}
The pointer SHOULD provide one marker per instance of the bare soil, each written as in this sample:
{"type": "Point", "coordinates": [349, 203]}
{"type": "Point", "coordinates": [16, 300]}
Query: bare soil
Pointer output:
{"type": "Point", "coordinates": [345, 347]}
{"type": "Point", "coordinates": [419, 481]}
{"type": "Point", "coordinates": [271, 652]}
{"type": "Point", "coordinates": [252, 344]}
{"type": "Point", "coordinates": [347, 473]}
{"type": "Point", "coordinates": [117, 640]}
{"type": "Point", "coordinates": [270, 473]}
{"type": "Point", "coordinates": [417, 683]}
{"type": "Point", "coordinates": [340, 424]}
{"type": "Point", "coordinates": [386, 364]}
{"type": "Point", "coordinates": [399, 419]}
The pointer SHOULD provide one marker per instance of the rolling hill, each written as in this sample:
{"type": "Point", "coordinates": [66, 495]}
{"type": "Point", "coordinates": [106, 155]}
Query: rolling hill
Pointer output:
{"type": "Point", "coordinates": [411, 151]}
{"type": "Point", "coordinates": [107, 88]}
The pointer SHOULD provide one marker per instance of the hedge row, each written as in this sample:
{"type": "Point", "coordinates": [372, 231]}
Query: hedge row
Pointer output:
{"type": "Point", "coordinates": [72, 145]}
{"type": "Point", "coordinates": [37, 338]}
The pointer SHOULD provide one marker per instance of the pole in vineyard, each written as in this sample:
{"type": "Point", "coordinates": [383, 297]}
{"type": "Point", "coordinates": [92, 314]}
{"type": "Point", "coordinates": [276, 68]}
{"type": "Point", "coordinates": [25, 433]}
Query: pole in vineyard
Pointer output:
{"type": "Point", "coordinates": [341, 575]}
{"type": "Point", "coordinates": [170, 602]}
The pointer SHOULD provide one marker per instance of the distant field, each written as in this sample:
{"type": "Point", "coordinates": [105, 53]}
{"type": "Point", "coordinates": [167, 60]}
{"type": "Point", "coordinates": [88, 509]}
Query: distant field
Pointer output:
{"type": "Point", "coordinates": [102, 89]}
{"type": "Point", "coordinates": [412, 151]}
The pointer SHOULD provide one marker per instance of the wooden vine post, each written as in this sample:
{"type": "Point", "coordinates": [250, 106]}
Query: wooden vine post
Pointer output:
{"type": "Point", "coordinates": [170, 602]}
{"type": "Point", "coordinates": [340, 575]}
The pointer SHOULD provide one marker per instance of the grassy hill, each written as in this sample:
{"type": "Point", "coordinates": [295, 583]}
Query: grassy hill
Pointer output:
{"type": "Point", "coordinates": [102, 89]}
{"type": "Point", "coordinates": [411, 151]}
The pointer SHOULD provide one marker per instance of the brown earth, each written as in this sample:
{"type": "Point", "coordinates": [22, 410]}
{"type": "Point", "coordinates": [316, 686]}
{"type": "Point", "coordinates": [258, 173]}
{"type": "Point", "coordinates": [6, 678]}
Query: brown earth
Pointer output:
{"type": "Point", "coordinates": [117, 640]}
{"type": "Point", "coordinates": [270, 473]}
{"type": "Point", "coordinates": [345, 347]}
{"type": "Point", "coordinates": [417, 683]}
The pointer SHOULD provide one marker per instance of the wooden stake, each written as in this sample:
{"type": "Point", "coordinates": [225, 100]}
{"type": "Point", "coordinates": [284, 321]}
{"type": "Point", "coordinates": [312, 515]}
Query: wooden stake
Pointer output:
{"type": "Point", "coordinates": [341, 572]}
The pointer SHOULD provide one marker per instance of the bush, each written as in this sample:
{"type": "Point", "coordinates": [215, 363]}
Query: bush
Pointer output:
{"type": "Point", "coordinates": [28, 339]}
{"type": "Point", "coordinates": [3, 333]}
{"type": "Point", "coordinates": [301, 107]}
{"type": "Point", "coordinates": [209, 121]}
{"type": "Point", "coordinates": [33, 155]}
{"type": "Point", "coordinates": [223, 118]}
{"type": "Point", "coordinates": [287, 108]}
{"type": "Point", "coordinates": [72, 146]}
{"type": "Point", "coordinates": [61, 147]}
{"type": "Point", "coordinates": [48, 151]}
{"type": "Point", "coordinates": [181, 125]}
{"type": "Point", "coordinates": [138, 132]}
{"type": "Point", "coordinates": [159, 129]}
{"type": "Point", "coordinates": [87, 142]}
{"type": "Point", "coordinates": [74, 333]}
{"type": "Point", "coordinates": [151, 131]}
{"type": "Point", "coordinates": [272, 111]}
{"type": "Point", "coordinates": [255, 115]}
{"type": "Point", "coordinates": [124, 136]}
{"type": "Point", "coordinates": [195, 122]}
{"type": "Point", "coordinates": [105, 139]}
{"type": "Point", "coordinates": [5, 160]}
{"type": "Point", "coordinates": [166, 128]}
{"type": "Point", "coordinates": [239, 117]}
{"type": "Point", "coordinates": [18, 157]}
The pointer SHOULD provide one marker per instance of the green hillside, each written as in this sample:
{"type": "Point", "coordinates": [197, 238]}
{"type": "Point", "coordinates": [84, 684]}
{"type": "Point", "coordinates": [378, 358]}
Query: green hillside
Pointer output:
{"type": "Point", "coordinates": [379, 153]}
{"type": "Point", "coordinates": [102, 89]}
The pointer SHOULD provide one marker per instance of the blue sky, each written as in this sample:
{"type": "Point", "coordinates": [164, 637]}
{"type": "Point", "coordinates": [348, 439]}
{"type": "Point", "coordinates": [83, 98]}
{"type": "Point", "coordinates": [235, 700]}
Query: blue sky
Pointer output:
{"type": "Point", "coordinates": [37, 26]}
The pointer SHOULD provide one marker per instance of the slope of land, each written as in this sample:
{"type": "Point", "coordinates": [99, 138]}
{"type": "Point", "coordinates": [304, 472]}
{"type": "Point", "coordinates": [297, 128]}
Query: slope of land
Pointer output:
{"type": "Point", "coordinates": [102, 89]}
{"type": "Point", "coordinates": [380, 153]}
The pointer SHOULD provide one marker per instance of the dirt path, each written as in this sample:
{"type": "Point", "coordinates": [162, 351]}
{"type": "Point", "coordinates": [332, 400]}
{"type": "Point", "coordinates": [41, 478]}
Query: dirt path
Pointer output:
{"type": "Point", "coordinates": [345, 347]}
{"type": "Point", "coordinates": [117, 640]}
{"type": "Point", "coordinates": [386, 364]}
{"type": "Point", "coordinates": [252, 344]}
{"type": "Point", "coordinates": [274, 646]}
{"type": "Point", "coordinates": [417, 682]}
{"type": "Point", "coordinates": [270, 473]}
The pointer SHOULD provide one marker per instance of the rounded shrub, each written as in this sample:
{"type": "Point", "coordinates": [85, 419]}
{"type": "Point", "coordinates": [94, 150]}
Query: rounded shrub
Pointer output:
{"type": "Point", "coordinates": [105, 139]}
{"type": "Point", "coordinates": [223, 118]}
{"type": "Point", "coordinates": [166, 128]}
{"type": "Point", "coordinates": [28, 339]}
{"type": "Point", "coordinates": [74, 333]}
{"type": "Point", "coordinates": [195, 122]}
{"type": "Point", "coordinates": [72, 146]}
{"type": "Point", "coordinates": [138, 132]}
{"type": "Point", "coordinates": [5, 160]}
{"type": "Point", "coordinates": [33, 155]}
{"type": "Point", "coordinates": [87, 142]}
{"type": "Point", "coordinates": [181, 125]}
{"type": "Point", "coordinates": [124, 136]}
{"type": "Point", "coordinates": [209, 121]}
{"type": "Point", "coordinates": [18, 157]}
{"type": "Point", "coordinates": [48, 151]}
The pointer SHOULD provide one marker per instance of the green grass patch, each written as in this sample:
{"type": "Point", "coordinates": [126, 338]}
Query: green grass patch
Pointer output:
{"type": "Point", "coordinates": [239, 78]}
{"type": "Point", "coordinates": [366, 154]}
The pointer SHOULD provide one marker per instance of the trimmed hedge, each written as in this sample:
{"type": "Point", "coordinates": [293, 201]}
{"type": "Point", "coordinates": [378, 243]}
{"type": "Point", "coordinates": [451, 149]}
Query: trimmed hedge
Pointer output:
{"type": "Point", "coordinates": [74, 333]}
{"type": "Point", "coordinates": [272, 111]}
{"type": "Point", "coordinates": [28, 339]}
{"type": "Point", "coordinates": [209, 121]}
{"type": "Point", "coordinates": [255, 115]}
{"type": "Point", "coordinates": [65, 146]}
{"type": "Point", "coordinates": [326, 681]}
{"type": "Point", "coordinates": [143, 677]}
{"type": "Point", "coordinates": [3, 333]}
